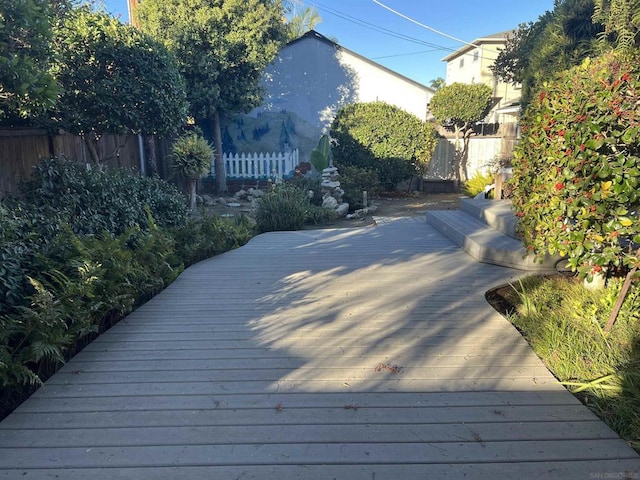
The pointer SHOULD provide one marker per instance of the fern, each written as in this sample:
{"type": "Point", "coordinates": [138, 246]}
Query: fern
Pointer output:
{"type": "Point", "coordinates": [39, 350]}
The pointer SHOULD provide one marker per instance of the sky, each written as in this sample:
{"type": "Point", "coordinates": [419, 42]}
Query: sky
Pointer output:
{"type": "Point", "coordinates": [413, 50]}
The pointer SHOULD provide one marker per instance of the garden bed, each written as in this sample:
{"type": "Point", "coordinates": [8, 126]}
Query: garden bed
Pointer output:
{"type": "Point", "coordinates": [563, 322]}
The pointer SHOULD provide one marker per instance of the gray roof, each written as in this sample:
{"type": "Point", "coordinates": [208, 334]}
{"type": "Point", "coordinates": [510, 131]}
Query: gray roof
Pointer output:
{"type": "Point", "coordinates": [492, 38]}
{"type": "Point", "coordinates": [318, 36]}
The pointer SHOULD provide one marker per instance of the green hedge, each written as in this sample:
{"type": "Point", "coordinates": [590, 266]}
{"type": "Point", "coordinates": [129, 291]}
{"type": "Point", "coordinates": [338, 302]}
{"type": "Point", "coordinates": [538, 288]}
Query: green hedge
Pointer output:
{"type": "Point", "coordinates": [577, 167]}
{"type": "Point", "coordinates": [383, 138]}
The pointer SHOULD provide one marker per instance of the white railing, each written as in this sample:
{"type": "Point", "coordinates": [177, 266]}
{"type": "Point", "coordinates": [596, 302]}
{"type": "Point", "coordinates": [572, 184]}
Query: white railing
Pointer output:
{"type": "Point", "coordinates": [259, 165]}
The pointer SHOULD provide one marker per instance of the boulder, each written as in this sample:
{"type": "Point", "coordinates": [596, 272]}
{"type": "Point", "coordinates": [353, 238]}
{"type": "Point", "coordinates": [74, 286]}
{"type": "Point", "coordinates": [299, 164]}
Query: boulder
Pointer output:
{"type": "Point", "coordinates": [330, 202]}
{"type": "Point", "coordinates": [241, 195]}
{"type": "Point", "coordinates": [342, 209]}
{"type": "Point", "coordinates": [208, 200]}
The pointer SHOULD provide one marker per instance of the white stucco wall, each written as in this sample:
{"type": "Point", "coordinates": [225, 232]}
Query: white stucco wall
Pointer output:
{"type": "Point", "coordinates": [314, 79]}
{"type": "Point", "coordinates": [376, 84]}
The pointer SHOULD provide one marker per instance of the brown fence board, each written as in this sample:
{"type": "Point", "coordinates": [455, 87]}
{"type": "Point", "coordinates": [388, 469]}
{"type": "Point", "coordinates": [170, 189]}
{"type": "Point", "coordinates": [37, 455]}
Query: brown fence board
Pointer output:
{"type": "Point", "coordinates": [22, 148]}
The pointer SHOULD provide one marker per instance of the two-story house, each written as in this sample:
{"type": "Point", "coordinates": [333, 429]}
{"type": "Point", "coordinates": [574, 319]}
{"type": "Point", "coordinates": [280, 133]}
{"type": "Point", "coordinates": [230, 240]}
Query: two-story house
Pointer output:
{"type": "Point", "coordinates": [472, 64]}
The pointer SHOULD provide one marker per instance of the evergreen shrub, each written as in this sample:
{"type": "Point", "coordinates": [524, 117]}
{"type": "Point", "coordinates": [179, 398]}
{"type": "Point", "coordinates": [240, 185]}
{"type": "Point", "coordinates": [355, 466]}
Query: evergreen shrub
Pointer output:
{"type": "Point", "coordinates": [383, 138]}
{"type": "Point", "coordinates": [577, 166]}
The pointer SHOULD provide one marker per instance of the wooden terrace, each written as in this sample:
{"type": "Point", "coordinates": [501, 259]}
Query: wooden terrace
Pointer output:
{"type": "Point", "coordinates": [367, 353]}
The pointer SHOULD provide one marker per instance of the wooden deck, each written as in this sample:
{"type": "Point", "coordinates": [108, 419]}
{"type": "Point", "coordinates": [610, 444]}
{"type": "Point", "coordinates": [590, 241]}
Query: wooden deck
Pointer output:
{"type": "Point", "coordinates": [351, 354]}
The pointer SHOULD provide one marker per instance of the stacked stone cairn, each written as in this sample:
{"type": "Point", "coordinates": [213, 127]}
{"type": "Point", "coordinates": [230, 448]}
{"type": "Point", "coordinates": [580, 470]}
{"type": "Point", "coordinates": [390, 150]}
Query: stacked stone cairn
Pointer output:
{"type": "Point", "coordinates": [332, 193]}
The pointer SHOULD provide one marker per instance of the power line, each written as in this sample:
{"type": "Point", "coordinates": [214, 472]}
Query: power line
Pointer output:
{"type": "Point", "coordinates": [377, 28]}
{"type": "Point", "coordinates": [391, 33]}
{"type": "Point", "coordinates": [405, 54]}
{"type": "Point", "coordinates": [421, 24]}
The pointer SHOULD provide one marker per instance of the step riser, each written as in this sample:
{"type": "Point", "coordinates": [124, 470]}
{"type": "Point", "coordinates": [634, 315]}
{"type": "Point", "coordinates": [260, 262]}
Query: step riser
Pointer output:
{"type": "Point", "coordinates": [497, 214]}
{"type": "Point", "coordinates": [484, 243]}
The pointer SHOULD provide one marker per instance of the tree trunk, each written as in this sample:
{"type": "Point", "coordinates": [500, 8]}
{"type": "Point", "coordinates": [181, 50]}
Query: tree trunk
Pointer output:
{"type": "Point", "coordinates": [152, 161]}
{"type": "Point", "coordinates": [464, 156]}
{"type": "Point", "coordinates": [91, 142]}
{"type": "Point", "coordinates": [192, 193]}
{"type": "Point", "coordinates": [457, 159]}
{"type": "Point", "coordinates": [221, 178]}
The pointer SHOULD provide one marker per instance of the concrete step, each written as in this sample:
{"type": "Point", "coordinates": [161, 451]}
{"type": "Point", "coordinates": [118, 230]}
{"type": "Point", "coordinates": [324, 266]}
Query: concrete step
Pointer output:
{"type": "Point", "coordinates": [485, 243]}
{"type": "Point", "coordinates": [495, 213]}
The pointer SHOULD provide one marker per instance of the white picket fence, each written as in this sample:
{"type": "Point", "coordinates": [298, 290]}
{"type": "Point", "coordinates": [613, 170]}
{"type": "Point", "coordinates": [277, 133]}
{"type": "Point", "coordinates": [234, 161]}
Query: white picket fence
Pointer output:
{"type": "Point", "coordinates": [259, 165]}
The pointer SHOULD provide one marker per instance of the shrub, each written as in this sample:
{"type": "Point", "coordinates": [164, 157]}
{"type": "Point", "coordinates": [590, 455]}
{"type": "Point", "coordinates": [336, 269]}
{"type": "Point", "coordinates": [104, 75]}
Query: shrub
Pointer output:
{"type": "Point", "coordinates": [392, 171]}
{"type": "Point", "coordinates": [78, 285]}
{"type": "Point", "coordinates": [92, 200]}
{"type": "Point", "coordinates": [283, 208]}
{"type": "Point", "coordinates": [577, 168]}
{"type": "Point", "coordinates": [477, 184]}
{"type": "Point", "coordinates": [14, 248]}
{"type": "Point", "coordinates": [191, 155]}
{"type": "Point", "coordinates": [354, 181]}
{"type": "Point", "coordinates": [309, 183]}
{"type": "Point", "coordinates": [384, 138]}
{"type": "Point", "coordinates": [320, 215]}
{"type": "Point", "coordinates": [79, 253]}
{"type": "Point", "coordinates": [208, 236]}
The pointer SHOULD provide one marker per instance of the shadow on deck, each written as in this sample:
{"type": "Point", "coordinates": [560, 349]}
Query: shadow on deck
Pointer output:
{"type": "Point", "coordinates": [360, 353]}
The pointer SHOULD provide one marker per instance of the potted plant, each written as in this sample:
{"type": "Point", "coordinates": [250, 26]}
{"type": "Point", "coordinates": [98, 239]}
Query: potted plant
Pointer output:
{"type": "Point", "coordinates": [191, 157]}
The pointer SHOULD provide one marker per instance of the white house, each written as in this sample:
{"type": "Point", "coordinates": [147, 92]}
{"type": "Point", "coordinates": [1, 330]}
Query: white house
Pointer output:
{"type": "Point", "coordinates": [308, 82]}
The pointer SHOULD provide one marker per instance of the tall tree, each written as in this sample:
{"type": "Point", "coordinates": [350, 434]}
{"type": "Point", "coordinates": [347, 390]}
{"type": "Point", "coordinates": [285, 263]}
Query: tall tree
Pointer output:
{"type": "Point", "coordinates": [300, 20]}
{"type": "Point", "coordinates": [114, 79]}
{"type": "Point", "coordinates": [437, 83]}
{"type": "Point", "coordinates": [557, 41]}
{"type": "Point", "coordinates": [461, 105]}
{"type": "Point", "coordinates": [25, 33]}
{"type": "Point", "coordinates": [223, 47]}
{"type": "Point", "coordinates": [621, 19]}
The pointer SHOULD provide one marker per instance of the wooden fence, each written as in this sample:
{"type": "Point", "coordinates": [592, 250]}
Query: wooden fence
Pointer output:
{"type": "Point", "coordinates": [484, 154]}
{"type": "Point", "coordinates": [22, 148]}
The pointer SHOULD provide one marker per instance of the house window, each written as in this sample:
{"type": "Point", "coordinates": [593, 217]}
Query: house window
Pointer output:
{"type": "Point", "coordinates": [461, 62]}
{"type": "Point", "coordinates": [476, 55]}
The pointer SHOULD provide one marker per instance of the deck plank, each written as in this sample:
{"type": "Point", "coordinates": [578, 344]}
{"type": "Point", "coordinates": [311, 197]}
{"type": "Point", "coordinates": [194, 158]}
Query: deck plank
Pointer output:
{"type": "Point", "coordinates": [261, 363]}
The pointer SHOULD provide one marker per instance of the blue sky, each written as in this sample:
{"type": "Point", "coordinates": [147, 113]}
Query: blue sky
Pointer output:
{"type": "Point", "coordinates": [371, 30]}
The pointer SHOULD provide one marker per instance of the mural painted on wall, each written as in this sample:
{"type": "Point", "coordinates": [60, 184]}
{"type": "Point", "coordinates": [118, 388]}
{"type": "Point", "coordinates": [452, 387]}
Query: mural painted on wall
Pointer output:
{"type": "Point", "coordinates": [304, 89]}
{"type": "Point", "coordinates": [270, 132]}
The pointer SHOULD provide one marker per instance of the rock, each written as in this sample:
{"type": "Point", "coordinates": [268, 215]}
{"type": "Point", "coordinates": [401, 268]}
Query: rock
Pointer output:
{"type": "Point", "coordinates": [220, 200]}
{"type": "Point", "coordinates": [330, 202]}
{"type": "Point", "coordinates": [256, 193]}
{"type": "Point", "coordinates": [208, 200]}
{"type": "Point", "coordinates": [241, 195]}
{"type": "Point", "coordinates": [329, 184]}
{"type": "Point", "coordinates": [360, 214]}
{"type": "Point", "coordinates": [598, 282]}
{"type": "Point", "coordinates": [342, 209]}
{"type": "Point", "coordinates": [329, 171]}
